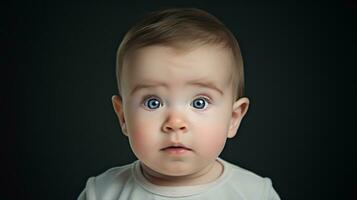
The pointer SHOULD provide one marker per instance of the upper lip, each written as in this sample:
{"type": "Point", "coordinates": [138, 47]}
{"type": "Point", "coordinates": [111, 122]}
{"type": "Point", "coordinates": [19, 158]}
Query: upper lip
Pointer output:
{"type": "Point", "coordinates": [176, 145]}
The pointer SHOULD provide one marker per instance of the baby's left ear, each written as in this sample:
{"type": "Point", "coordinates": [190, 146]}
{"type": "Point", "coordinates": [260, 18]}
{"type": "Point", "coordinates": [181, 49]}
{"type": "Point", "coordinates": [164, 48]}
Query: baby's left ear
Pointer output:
{"type": "Point", "coordinates": [240, 108]}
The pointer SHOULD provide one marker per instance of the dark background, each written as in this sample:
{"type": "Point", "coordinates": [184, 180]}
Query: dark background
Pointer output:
{"type": "Point", "coordinates": [58, 76]}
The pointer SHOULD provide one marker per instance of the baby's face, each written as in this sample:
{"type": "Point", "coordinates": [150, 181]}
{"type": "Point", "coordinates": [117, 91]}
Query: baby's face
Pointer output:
{"type": "Point", "coordinates": [177, 107]}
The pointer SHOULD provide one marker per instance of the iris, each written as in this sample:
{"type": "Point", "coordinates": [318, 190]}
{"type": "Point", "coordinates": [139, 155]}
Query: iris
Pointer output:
{"type": "Point", "coordinates": [152, 103]}
{"type": "Point", "coordinates": [199, 103]}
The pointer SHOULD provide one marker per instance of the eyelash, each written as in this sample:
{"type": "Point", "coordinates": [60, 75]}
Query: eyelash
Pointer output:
{"type": "Point", "coordinates": [208, 100]}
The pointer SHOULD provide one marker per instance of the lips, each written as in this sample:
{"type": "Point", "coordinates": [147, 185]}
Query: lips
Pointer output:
{"type": "Point", "coordinates": [176, 149]}
{"type": "Point", "coordinates": [176, 146]}
{"type": "Point", "coordinates": [173, 148]}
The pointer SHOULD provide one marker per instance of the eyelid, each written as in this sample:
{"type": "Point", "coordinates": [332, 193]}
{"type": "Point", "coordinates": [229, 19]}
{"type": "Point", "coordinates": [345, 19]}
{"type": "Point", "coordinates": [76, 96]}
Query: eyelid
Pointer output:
{"type": "Point", "coordinates": [205, 97]}
{"type": "Point", "coordinates": [146, 97]}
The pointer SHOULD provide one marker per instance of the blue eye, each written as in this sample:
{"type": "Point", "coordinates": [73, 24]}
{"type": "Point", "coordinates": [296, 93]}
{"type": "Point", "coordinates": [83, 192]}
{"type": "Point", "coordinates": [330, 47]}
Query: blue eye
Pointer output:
{"type": "Point", "coordinates": [200, 103]}
{"type": "Point", "coordinates": [152, 103]}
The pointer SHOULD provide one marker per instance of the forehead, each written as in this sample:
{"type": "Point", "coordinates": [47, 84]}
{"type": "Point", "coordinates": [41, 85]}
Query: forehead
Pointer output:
{"type": "Point", "coordinates": [167, 65]}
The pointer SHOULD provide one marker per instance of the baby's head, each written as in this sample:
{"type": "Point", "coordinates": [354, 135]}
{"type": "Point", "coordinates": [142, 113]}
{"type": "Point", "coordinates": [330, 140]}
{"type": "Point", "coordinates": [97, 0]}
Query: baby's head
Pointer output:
{"type": "Point", "coordinates": [180, 80]}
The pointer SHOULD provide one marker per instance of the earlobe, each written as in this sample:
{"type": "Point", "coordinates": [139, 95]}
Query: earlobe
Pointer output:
{"type": "Point", "coordinates": [118, 108]}
{"type": "Point", "coordinates": [240, 108]}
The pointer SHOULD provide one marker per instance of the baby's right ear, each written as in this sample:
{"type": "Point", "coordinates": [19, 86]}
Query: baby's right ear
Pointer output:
{"type": "Point", "coordinates": [118, 108]}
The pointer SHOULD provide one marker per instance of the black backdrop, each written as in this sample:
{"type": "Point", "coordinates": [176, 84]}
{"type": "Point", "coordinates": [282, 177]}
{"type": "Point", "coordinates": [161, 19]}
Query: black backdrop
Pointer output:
{"type": "Point", "coordinates": [58, 77]}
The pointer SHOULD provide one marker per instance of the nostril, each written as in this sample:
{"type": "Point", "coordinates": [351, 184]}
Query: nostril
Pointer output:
{"type": "Point", "coordinates": [169, 128]}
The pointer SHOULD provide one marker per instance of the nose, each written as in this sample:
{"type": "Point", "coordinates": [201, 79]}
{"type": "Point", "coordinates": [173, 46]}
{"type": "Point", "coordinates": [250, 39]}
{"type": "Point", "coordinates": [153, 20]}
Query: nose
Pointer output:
{"type": "Point", "coordinates": [175, 123]}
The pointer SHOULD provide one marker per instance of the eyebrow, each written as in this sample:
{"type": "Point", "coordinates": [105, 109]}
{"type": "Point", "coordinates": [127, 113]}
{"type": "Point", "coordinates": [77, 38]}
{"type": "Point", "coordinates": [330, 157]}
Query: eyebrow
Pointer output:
{"type": "Point", "coordinates": [208, 85]}
{"type": "Point", "coordinates": [144, 86]}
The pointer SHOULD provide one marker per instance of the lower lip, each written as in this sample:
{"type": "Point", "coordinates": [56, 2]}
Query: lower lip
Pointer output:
{"type": "Point", "coordinates": [176, 151]}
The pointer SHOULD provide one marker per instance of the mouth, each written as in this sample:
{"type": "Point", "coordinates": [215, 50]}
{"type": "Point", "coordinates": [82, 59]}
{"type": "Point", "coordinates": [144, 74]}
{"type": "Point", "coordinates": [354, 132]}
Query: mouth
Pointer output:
{"type": "Point", "coordinates": [176, 149]}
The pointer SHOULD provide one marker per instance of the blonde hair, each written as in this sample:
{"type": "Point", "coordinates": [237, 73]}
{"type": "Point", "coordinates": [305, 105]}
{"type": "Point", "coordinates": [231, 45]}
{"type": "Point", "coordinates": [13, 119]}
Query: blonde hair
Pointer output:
{"type": "Point", "coordinates": [182, 28]}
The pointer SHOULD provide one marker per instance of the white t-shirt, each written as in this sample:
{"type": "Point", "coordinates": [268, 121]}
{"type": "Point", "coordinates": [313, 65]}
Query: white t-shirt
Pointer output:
{"type": "Point", "coordinates": [128, 182]}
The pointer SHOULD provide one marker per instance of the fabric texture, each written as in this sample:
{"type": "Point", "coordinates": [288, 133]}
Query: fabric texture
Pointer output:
{"type": "Point", "coordinates": [128, 182]}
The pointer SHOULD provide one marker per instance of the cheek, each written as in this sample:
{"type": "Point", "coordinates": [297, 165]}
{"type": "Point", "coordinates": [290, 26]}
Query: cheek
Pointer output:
{"type": "Point", "coordinates": [211, 138]}
{"type": "Point", "coordinates": [142, 133]}
{"type": "Point", "coordinates": [212, 131]}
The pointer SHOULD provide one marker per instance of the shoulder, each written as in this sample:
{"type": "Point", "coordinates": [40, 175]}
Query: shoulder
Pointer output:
{"type": "Point", "coordinates": [107, 184]}
{"type": "Point", "coordinates": [249, 184]}
{"type": "Point", "coordinates": [114, 175]}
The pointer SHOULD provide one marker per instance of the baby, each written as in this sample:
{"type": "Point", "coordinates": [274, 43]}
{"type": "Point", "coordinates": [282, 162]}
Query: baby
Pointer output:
{"type": "Point", "coordinates": [180, 80]}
